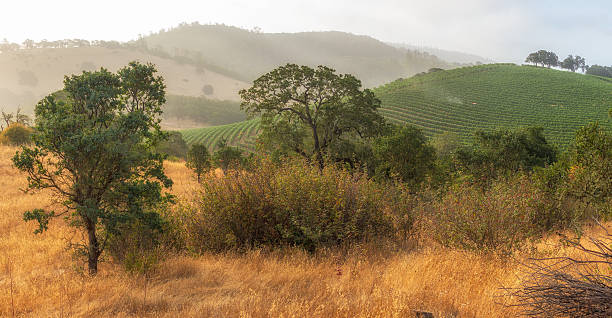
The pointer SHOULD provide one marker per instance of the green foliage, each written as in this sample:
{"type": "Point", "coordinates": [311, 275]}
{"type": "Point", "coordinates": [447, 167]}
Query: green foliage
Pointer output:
{"type": "Point", "coordinates": [203, 110]}
{"type": "Point", "coordinates": [93, 149]}
{"type": "Point", "coordinates": [580, 182]}
{"type": "Point", "coordinates": [574, 63]}
{"type": "Point", "coordinates": [198, 159]}
{"type": "Point", "coordinates": [316, 108]}
{"type": "Point", "coordinates": [226, 156]}
{"type": "Point", "coordinates": [406, 154]}
{"type": "Point", "coordinates": [293, 204]}
{"type": "Point", "coordinates": [543, 57]}
{"type": "Point", "coordinates": [446, 144]}
{"type": "Point", "coordinates": [604, 71]}
{"type": "Point", "coordinates": [174, 146]}
{"type": "Point", "coordinates": [590, 173]}
{"type": "Point", "coordinates": [506, 152]}
{"type": "Point", "coordinates": [15, 134]}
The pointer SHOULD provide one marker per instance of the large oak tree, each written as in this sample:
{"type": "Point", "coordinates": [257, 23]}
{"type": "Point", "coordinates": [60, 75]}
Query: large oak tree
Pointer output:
{"type": "Point", "coordinates": [311, 110]}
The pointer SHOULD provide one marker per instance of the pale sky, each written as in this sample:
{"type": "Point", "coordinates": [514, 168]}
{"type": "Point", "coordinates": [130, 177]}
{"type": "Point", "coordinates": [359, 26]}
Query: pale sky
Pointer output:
{"type": "Point", "coordinates": [505, 31]}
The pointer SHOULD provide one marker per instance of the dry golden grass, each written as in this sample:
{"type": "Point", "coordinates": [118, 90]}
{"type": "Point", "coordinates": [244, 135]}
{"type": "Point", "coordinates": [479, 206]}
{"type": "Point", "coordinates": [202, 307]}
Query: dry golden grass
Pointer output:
{"type": "Point", "coordinates": [38, 276]}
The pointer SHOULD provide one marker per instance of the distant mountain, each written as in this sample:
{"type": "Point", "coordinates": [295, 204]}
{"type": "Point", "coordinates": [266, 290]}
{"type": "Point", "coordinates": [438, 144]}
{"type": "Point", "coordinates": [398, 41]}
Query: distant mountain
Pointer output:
{"type": "Point", "coordinates": [446, 55]}
{"type": "Point", "coordinates": [251, 54]}
{"type": "Point", "coordinates": [30, 74]}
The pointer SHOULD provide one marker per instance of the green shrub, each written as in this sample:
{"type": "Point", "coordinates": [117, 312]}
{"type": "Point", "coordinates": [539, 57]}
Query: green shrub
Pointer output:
{"type": "Point", "coordinates": [175, 146]}
{"type": "Point", "coordinates": [405, 154]}
{"type": "Point", "coordinates": [292, 204]}
{"type": "Point", "coordinates": [497, 219]}
{"type": "Point", "coordinates": [581, 182]}
{"type": "Point", "coordinates": [15, 134]}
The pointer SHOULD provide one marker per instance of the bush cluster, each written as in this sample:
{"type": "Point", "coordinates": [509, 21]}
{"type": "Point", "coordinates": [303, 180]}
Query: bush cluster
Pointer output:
{"type": "Point", "coordinates": [498, 219]}
{"type": "Point", "coordinates": [292, 204]}
{"type": "Point", "coordinates": [15, 134]}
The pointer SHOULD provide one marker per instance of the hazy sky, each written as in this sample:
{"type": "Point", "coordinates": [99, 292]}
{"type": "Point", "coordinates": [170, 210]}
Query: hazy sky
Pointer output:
{"type": "Point", "coordinates": [502, 30]}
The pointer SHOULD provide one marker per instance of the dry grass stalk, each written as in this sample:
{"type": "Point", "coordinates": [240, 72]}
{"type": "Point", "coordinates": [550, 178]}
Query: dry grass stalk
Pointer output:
{"type": "Point", "coordinates": [570, 286]}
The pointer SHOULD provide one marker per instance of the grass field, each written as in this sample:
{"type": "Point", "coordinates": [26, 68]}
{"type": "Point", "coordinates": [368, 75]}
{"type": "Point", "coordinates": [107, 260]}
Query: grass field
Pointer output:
{"type": "Point", "coordinates": [38, 276]}
{"type": "Point", "coordinates": [486, 97]}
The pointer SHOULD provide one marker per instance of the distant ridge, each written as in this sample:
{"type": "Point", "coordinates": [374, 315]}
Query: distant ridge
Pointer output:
{"type": "Point", "coordinates": [252, 53]}
{"type": "Point", "coordinates": [447, 55]}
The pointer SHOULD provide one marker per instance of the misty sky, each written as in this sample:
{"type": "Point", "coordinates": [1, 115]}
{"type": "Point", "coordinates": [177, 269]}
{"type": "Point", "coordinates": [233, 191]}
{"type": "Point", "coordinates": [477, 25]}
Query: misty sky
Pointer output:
{"type": "Point", "coordinates": [501, 30]}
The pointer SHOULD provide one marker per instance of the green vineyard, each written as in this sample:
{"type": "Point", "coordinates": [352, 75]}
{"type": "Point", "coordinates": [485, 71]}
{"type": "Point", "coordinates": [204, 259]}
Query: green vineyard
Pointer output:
{"type": "Point", "coordinates": [464, 100]}
{"type": "Point", "coordinates": [498, 96]}
{"type": "Point", "coordinates": [241, 134]}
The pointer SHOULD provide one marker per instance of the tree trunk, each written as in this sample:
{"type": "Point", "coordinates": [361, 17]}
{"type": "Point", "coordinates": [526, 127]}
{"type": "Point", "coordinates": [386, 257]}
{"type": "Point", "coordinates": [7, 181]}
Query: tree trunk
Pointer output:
{"type": "Point", "coordinates": [317, 147]}
{"type": "Point", "coordinates": [93, 249]}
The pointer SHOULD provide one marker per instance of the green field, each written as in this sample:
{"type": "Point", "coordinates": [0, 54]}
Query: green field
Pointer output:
{"type": "Point", "coordinates": [498, 96]}
{"type": "Point", "coordinates": [485, 97]}
{"type": "Point", "coordinates": [241, 134]}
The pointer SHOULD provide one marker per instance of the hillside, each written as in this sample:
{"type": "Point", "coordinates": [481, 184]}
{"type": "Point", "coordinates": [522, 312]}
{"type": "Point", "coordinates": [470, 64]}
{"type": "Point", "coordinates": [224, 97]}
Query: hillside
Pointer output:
{"type": "Point", "coordinates": [252, 54]}
{"type": "Point", "coordinates": [447, 55]}
{"type": "Point", "coordinates": [29, 75]}
{"type": "Point", "coordinates": [498, 96]}
{"type": "Point", "coordinates": [184, 112]}
{"type": "Point", "coordinates": [240, 134]}
{"type": "Point", "coordinates": [487, 97]}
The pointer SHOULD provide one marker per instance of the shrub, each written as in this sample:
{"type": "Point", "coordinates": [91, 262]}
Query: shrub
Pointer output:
{"type": "Point", "coordinates": [589, 176]}
{"type": "Point", "coordinates": [198, 160]}
{"type": "Point", "coordinates": [207, 89]}
{"type": "Point", "coordinates": [406, 154]}
{"type": "Point", "coordinates": [496, 219]}
{"type": "Point", "coordinates": [16, 134]}
{"type": "Point", "coordinates": [580, 182]}
{"type": "Point", "coordinates": [175, 146]}
{"type": "Point", "coordinates": [292, 204]}
{"type": "Point", "coordinates": [506, 152]}
{"type": "Point", "coordinates": [227, 156]}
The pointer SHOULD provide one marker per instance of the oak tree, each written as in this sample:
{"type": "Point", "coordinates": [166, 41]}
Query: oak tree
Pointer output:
{"type": "Point", "coordinates": [311, 110]}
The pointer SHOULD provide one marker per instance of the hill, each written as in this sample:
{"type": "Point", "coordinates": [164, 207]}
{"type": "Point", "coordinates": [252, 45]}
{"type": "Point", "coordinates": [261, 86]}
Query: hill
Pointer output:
{"type": "Point", "coordinates": [490, 97]}
{"type": "Point", "coordinates": [183, 112]}
{"type": "Point", "coordinates": [30, 74]}
{"type": "Point", "coordinates": [252, 54]}
{"type": "Point", "coordinates": [240, 134]}
{"type": "Point", "coordinates": [498, 96]}
{"type": "Point", "coordinates": [447, 55]}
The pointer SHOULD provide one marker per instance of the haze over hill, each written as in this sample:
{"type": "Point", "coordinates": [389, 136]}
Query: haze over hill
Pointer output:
{"type": "Point", "coordinates": [446, 55]}
{"type": "Point", "coordinates": [251, 53]}
{"type": "Point", "coordinates": [29, 75]}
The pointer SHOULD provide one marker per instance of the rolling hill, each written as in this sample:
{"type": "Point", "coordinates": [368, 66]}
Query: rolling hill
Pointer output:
{"type": "Point", "coordinates": [28, 75]}
{"type": "Point", "coordinates": [487, 97]}
{"type": "Point", "coordinates": [241, 134]}
{"type": "Point", "coordinates": [252, 54]}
